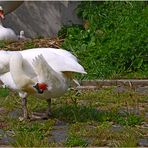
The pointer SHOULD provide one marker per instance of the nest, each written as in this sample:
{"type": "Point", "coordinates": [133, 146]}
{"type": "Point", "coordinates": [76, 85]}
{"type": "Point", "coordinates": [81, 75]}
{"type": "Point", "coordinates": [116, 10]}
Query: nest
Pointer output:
{"type": "Point", "coordinates": [31, 43]}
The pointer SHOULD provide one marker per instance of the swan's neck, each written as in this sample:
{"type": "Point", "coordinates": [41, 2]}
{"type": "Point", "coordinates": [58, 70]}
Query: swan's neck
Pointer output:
{"type": "Point", "coordinates": [22, 81]}
{"type": "Point", "coordinates": [1, 24]}
{"type": "Point", "coordinates": [4, 61]}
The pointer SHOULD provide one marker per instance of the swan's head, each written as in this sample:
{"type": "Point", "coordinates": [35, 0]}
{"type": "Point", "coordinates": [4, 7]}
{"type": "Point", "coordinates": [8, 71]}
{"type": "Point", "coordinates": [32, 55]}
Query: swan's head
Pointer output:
{"type": "Point", "coordinates": [1, 13]}
{"type": "Point", "coordinates": [40, 87]}
{"type": "Point", "coordinates": [22, 33]}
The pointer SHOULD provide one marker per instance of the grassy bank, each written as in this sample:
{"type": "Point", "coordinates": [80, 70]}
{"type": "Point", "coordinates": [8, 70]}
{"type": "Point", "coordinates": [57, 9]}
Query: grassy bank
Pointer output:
{"type": "Point", "coordinates": [112, 42]}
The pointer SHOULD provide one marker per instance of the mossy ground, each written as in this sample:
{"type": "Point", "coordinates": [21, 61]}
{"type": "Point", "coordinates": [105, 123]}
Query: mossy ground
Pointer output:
{"type": "Point", "coordinates": [92, 118]}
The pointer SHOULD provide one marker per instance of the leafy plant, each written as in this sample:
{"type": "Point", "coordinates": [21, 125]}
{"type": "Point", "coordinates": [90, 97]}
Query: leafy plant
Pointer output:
{"type": "Point", "coordinates": [113, 39]}
{"type": "Point", "coordinates": [130, 120]}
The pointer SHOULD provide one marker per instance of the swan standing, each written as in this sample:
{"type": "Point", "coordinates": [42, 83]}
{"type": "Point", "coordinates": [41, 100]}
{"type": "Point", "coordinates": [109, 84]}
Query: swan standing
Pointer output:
{"type": "Point", "coordinates": [6, 33]}
{"type": "Point", "coordinates": [45, 72]}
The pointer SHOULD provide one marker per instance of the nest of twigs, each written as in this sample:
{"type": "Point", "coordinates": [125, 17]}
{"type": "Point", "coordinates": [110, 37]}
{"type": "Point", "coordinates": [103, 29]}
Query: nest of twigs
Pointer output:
{"type": "Point", "coordinates": [32, 43]}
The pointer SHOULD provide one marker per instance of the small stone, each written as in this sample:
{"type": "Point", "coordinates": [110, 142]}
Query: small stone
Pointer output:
{"type": "Point", "coordinates": [146, 115]}
{"type": "Point", "coordinates": [1, 132]}
{"type": "Point", "coordinates": [143, 90]}
{"type": "Point", "coordinates": [59, 134]}
{"type": "Point", "coordinates": [144, 125]}
{"type": "Point", "coordinates": [143, 142]}
{"type": "Point", "coordinates": [2, 110]}
{"type": "Point", "coordinates": [15, 113]}
{"type": "Point", "coordinates": [116, 128]}
{"type": "Point", "coordinates": [120, 89]}
{"type": "Point", "coordinates": [60, 123]}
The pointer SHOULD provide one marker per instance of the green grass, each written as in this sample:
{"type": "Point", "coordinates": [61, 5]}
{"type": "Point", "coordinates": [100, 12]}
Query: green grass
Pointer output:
{"type": "Point", "coordinates": [74, 141]}
{"type": "Point", "coordinates": [89, 115]}
{"type": "Point", "coordinates": [29, 45]}
{"type": "Point", "coordinates": [4, 92]}
{"type": "Point", "coordinates": [112, 42]}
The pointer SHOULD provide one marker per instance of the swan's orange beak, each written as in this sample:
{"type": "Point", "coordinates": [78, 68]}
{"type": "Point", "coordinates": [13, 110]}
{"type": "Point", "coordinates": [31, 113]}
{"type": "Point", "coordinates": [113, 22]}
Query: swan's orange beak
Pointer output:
{"type": "Point", "coordinates": [40, 87]}
{"type": "Point", "coordinates": [2, 14]}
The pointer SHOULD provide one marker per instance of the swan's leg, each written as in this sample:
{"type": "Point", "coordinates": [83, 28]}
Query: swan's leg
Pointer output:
{"type": "Point", "coordinates": [48, 112]}
{"type": "Point", "coordinates": [24, 106]}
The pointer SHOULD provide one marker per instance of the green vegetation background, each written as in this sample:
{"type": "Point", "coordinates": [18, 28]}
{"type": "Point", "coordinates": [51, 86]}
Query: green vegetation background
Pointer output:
{"type": "Point", "coordinates": [112, 42]}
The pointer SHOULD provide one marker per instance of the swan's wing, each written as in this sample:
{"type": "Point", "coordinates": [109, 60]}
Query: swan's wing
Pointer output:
{"type": "Point", "coordinates": [58, 59]}
{"type": "Point", "coordinates": [44, 72]}
{"type": "Point", "coordinates": [63, 63]}
{"type": "Point", "coordinates": [63, 60]}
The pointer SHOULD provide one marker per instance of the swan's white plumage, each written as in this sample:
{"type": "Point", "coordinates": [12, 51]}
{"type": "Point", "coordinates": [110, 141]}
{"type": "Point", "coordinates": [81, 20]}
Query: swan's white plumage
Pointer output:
{"type": "Point", "coordinates": [23, 70]}
{"type": "Point", "coordinates": [56, 81]}
{"type": "Point", "coordinates": [58, 59]}
{"type": "Point", "coordinates": [8, 81]}
{"type": "Point", "coordinates": [48, 67]}
{"type": "Point", "coordinates": [6, 33]}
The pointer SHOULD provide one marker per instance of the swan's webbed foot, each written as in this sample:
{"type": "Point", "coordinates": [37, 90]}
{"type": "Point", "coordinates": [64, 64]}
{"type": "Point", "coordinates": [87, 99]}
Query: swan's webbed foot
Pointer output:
{"type": "Point", "coordinates": [44, 115]}
{"type": "Point", "coordinates": [40, 116]}
{"type": "Point", "coordinates": [24, 118]}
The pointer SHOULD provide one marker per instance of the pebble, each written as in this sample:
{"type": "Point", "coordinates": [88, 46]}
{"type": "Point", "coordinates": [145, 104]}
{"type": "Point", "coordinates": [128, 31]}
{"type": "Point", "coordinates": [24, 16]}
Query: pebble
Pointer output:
{"type": "Point", "coordinates": [143, 142]}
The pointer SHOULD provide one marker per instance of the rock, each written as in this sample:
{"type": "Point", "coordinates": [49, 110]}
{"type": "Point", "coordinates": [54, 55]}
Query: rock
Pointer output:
{"type": "Point", "coordinates": [2, 110]}
{"type": "Point", "coordinates": [143, 142]}
{"type": "Point", "coordinates": [59, 134]}
{"type": "Point", "coordinates": [120, 89]}
{"type": "Point", "coordinates": [2, 132]}
{"type": "Point", "coordinates": [143, 90]}
{"type": "Point", "coordinates": [116, 128]}
{"type": "Point", "coordinates": [15, 113]}
{"type": "Point", "coordinates": [6, 137]}
{"type": "Point", "coordinates": [60, 123]}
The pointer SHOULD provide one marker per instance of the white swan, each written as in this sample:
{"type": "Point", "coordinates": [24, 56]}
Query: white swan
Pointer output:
{"type": "Point", "coordinates": [45, 72]}
{"type": "Point", "coordinates": [6, 33]}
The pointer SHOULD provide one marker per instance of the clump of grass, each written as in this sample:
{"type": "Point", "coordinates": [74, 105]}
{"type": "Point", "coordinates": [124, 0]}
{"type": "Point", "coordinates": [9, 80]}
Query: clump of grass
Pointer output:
{"type": "Point", "coordinates": [4, 92]}
{"type": "Point", "coordinates": [2, 44]}
{"type": "Point", "coordinates": [33, 133]}
{"type": "Point", "coordinates": [130, 119]}
{"type": "Point", "coordinates": [72, 113]}
{"type": "Point", "coordinates": [73, 141]}
{"type": "Point", "coordinates": [29, 45]}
